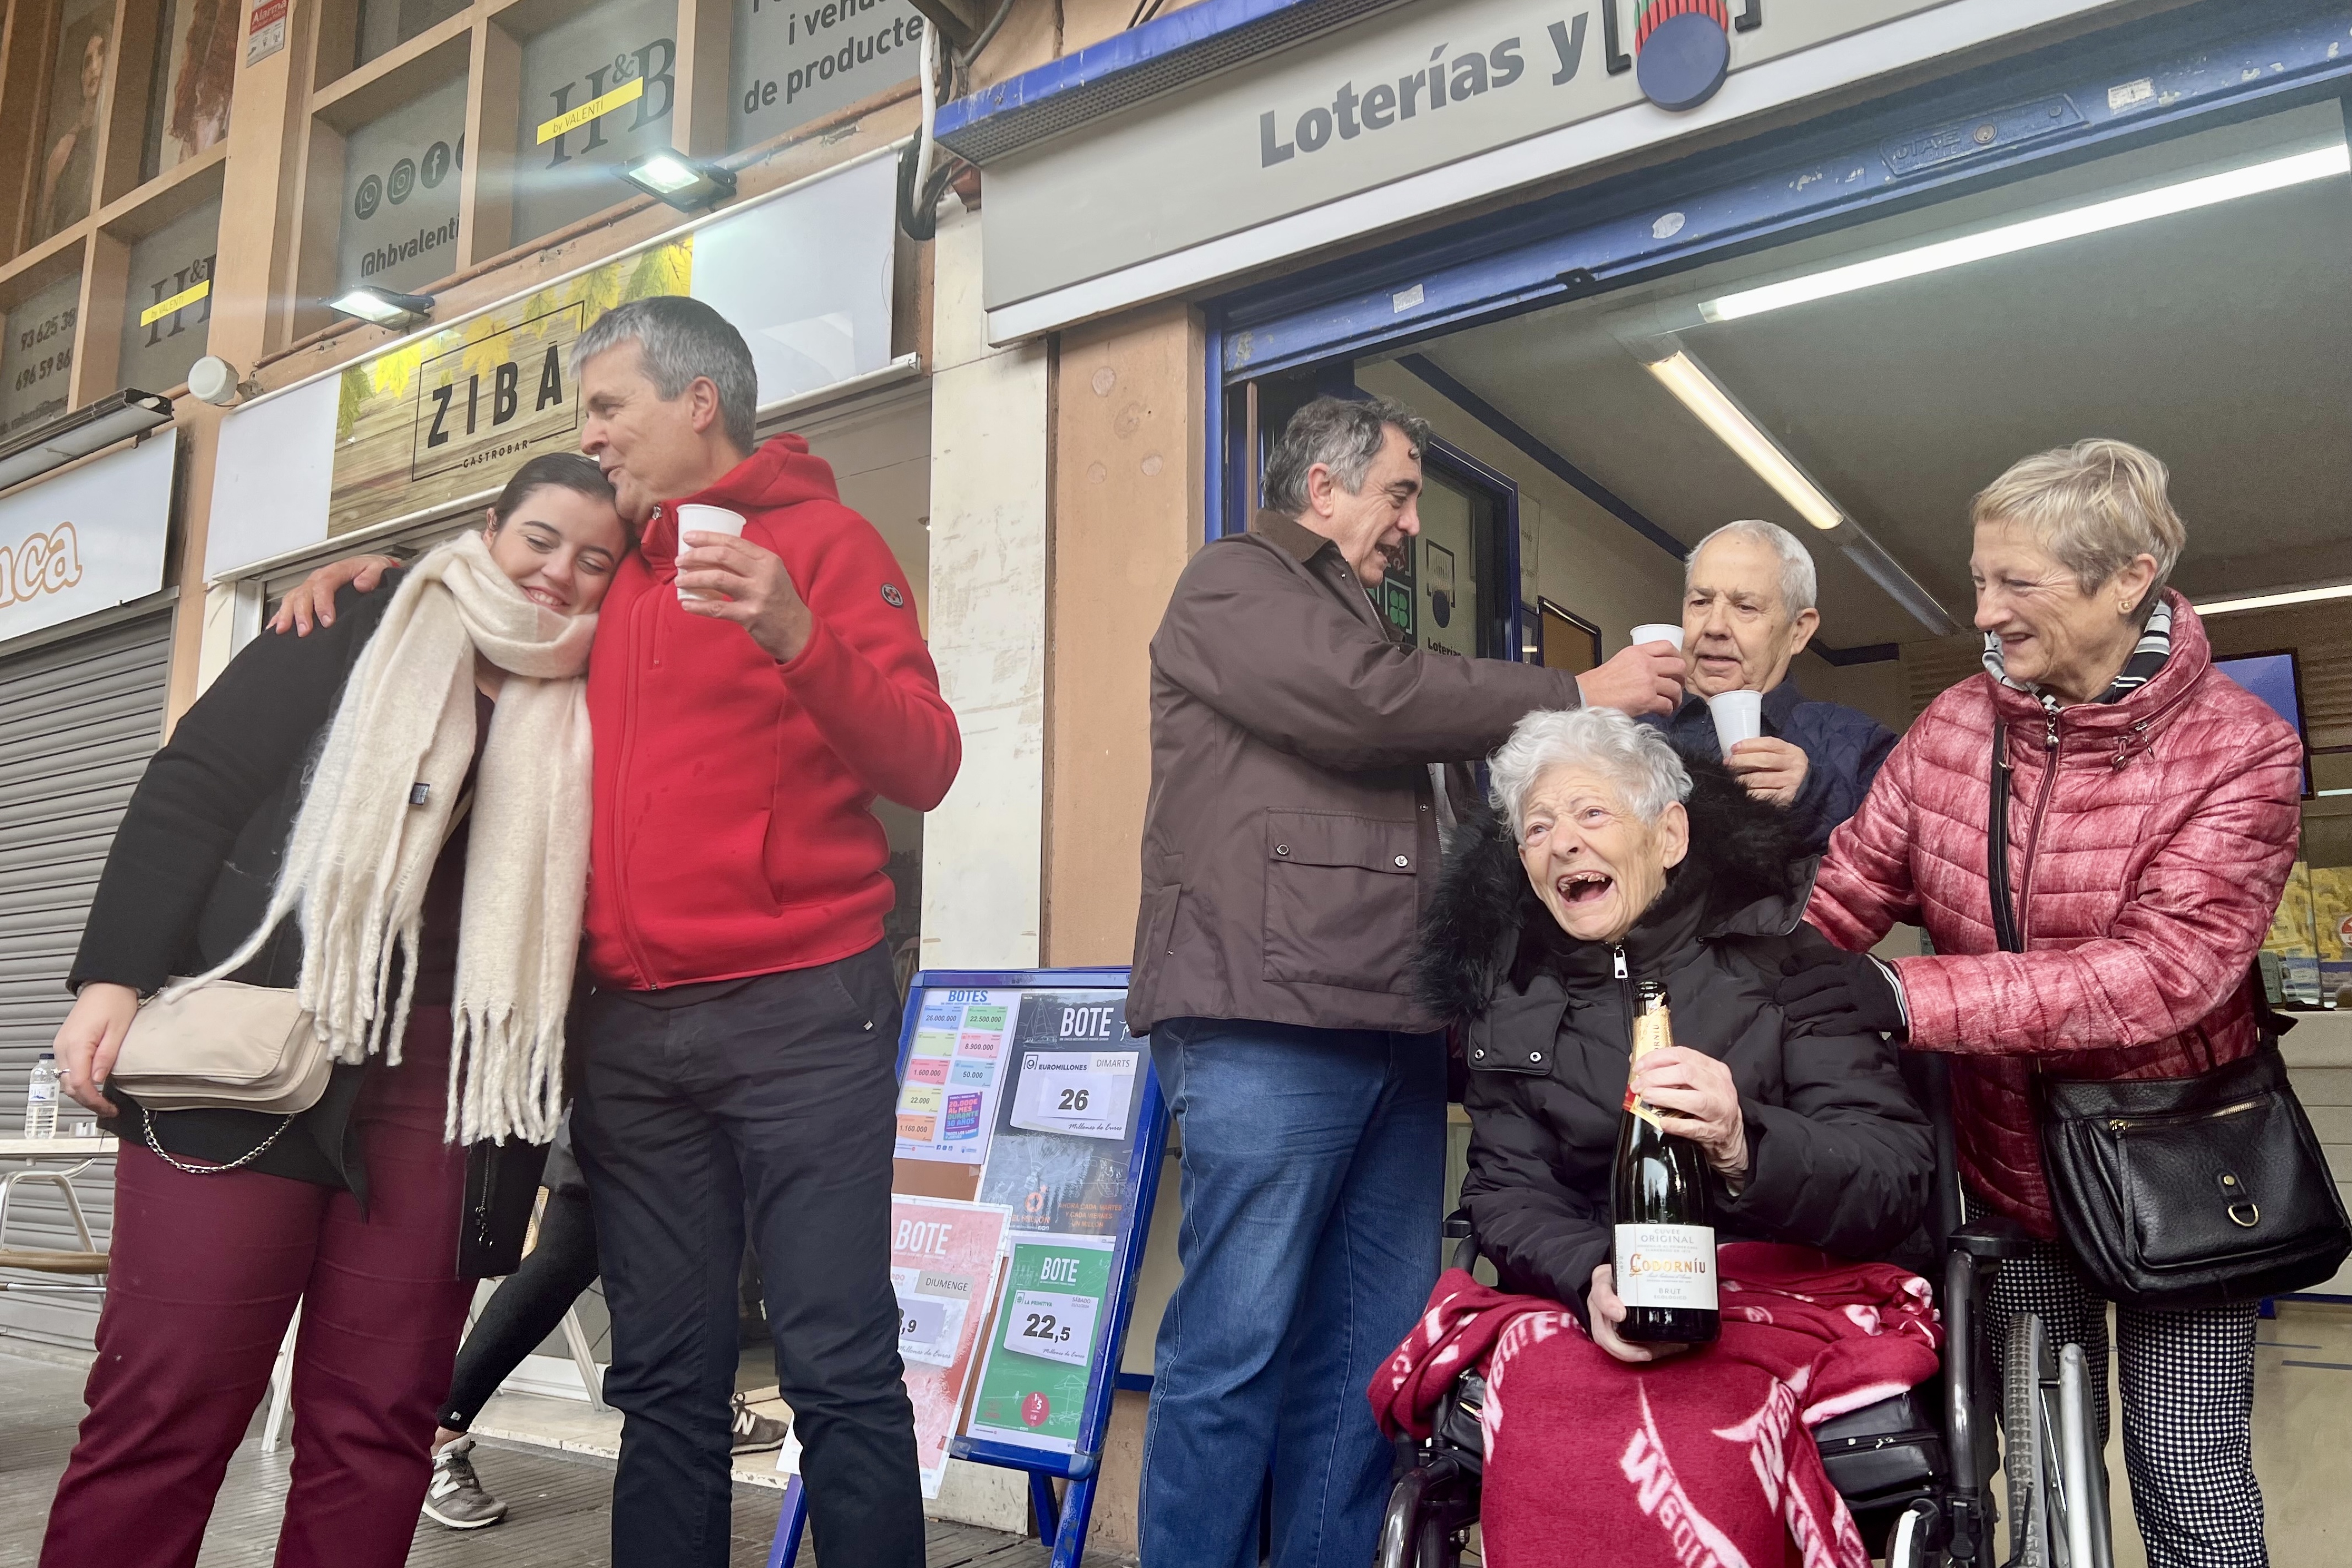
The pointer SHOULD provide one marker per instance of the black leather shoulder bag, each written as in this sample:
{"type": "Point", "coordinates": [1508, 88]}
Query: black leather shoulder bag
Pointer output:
{"type": "Point", "coordinates": [2178, 1193]}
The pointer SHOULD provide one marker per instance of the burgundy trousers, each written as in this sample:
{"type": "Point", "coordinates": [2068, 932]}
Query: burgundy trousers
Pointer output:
{"type": "Point", "coordinates": [207, 1271]}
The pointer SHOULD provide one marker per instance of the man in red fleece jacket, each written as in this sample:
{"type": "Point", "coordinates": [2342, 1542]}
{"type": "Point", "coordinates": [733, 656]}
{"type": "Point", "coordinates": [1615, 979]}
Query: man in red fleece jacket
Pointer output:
{"type": "Point", "coordinates": [739, 1048]}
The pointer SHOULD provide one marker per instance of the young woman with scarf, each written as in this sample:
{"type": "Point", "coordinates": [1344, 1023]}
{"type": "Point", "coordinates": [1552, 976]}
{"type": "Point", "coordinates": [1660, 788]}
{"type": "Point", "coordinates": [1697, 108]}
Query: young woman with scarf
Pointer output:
{"type": "Point", "coordinates": [413, 787]}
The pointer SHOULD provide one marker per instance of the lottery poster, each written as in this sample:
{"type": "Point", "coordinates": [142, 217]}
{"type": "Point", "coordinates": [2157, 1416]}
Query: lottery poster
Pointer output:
{"type": "Point", "coordinates": [1065, 1113]}
{"type": "Point", "coordinates": [1042, 1349]}
{"type": "Point", "coordinates": [947, 1105]}
{"type": "Point", "coordinates": [946, 1261]}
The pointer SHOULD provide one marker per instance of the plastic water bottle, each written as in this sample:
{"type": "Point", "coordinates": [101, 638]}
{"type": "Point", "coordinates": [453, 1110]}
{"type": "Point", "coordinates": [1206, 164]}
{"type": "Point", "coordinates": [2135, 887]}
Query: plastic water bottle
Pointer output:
{"type": "Point", "coordinates": [41, 1099]}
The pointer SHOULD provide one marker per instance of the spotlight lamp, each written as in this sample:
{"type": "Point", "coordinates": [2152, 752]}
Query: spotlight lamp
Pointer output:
{"type": "Point", "coordinates": [56, 442]}
{"type": "Point", "coordinates": [687, 183]}
{"type": "Point", "coordinates": [383, 305]}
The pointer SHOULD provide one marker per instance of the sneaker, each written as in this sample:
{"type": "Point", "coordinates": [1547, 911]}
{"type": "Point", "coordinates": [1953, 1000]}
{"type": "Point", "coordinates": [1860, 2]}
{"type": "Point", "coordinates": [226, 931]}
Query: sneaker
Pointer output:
{"type": "Point", "coordinates": [755, 1433]}
{"type": "Point", "coordinates": [457, 1499]}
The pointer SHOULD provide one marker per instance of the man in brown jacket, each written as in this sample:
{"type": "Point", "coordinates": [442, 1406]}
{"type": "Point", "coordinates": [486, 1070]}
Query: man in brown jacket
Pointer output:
{"type": "Point", "coordinates": [1298, 750]}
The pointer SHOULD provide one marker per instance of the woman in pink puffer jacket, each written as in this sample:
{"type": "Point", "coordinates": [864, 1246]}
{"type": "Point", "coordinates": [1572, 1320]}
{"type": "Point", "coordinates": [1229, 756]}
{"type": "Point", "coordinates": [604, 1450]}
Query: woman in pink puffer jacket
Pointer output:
{"type": "Point", "coordinates": [2153, 817]}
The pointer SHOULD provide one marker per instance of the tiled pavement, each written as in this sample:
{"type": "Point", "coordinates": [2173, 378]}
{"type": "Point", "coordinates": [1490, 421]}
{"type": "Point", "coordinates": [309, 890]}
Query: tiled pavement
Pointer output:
{"type": "Point", "coordinates": [559, 1500]}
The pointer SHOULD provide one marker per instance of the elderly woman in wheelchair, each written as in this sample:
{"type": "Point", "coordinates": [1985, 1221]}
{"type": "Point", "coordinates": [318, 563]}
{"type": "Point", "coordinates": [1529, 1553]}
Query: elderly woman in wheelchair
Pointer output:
{"type": "Point", "coordinates": [1617, 861]}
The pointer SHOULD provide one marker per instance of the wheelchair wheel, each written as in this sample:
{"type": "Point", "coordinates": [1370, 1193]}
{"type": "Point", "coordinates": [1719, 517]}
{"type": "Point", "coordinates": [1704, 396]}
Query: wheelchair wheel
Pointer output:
{"type": "Point", "coordinates": [2033, 1449]}
{"type": "Point", "coordinates": [1907, 1542]}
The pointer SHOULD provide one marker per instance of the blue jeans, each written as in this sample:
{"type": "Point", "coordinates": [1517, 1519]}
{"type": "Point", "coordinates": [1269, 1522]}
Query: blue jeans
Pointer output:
{"type": "Point", "coordinates": [1314, 1170]}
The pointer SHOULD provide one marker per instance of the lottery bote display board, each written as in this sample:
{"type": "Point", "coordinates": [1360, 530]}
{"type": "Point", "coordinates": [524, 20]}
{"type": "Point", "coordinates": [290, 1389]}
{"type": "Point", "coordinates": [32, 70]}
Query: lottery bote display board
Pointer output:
{"type": "Point", "coordinates": [1042, 1089]}
{"type": "Point", "coordinates": [1041, 1356]}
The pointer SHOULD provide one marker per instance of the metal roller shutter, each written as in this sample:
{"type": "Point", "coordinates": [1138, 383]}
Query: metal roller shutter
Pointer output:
{"type": "Point", "coordinates": [78, 719]}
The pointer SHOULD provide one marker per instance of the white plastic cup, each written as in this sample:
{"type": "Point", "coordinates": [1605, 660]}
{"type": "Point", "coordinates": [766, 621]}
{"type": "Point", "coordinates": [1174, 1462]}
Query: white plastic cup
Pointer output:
{"type": "Point", "coordinates": [1658, 631]}
{"type": "Point", "coordinates": [698, 518]}
{"type": "Point", "coordinates": [1739, 716]}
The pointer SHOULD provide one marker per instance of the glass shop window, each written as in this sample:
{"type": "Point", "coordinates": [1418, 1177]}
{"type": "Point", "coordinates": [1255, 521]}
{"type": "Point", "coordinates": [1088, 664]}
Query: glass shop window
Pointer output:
{"type": "Point", "coordinates": [169, 315]}
{"type": "Point", "coordinates": [400, 180]}
{"type": "Point", "coordinates": [598, 89]}
{"type": "Point", "coordinates": [385, 24]}
{"type": "Point", "coordinates": [794, 61]}
{"type": "Point", "coordinates": [188, 89]}
{"type": "Point", "coordinates": [68, 170]}
{"type": "Point", "coordinates": [37, 355]}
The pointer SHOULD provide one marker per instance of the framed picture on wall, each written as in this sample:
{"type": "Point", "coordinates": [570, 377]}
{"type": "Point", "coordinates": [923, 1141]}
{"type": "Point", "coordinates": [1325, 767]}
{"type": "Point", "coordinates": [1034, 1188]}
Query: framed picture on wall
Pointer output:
{"type": "Point", "coordinates": [1567, 641]}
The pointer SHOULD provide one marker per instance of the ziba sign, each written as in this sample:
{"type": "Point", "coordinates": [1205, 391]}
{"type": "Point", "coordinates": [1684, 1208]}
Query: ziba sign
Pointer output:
{"type": "Point", "coordinates": [449, 414]}
{"type": "Point", "coordinates": [496, 397]}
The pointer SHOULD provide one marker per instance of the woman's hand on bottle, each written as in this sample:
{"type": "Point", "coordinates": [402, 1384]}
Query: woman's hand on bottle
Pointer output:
{"type": "Point", "coordinates": [1695, 1099]}
{"type": "Point", "coordinates": [91, 1038]}
{"type": "Point", "coordinates": [1607, 1311]}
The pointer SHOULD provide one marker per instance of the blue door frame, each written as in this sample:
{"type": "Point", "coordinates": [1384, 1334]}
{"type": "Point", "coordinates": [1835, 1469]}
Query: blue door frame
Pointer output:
{"type": "Point", "coordinates": [2135, 82]}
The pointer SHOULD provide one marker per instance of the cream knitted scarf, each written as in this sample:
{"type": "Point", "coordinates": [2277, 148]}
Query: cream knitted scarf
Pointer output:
{"type": "Point", "coordinates": [378, 808]}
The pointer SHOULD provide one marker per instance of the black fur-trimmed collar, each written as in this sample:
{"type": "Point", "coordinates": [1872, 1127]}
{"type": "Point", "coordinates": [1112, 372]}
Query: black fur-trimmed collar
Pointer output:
{"type": "Point", "coordinates": [1746, 860]}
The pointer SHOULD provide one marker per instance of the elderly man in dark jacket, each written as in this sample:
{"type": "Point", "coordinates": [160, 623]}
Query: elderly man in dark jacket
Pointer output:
{"type": "Point", "coordinates": [1747, 611]}
{"type": "Point", "coordinates": [1289, 845]}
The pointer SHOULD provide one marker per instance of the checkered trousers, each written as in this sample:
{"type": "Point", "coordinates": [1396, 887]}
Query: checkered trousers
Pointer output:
{"type": "Point", "coordinates": [2188, 1384]}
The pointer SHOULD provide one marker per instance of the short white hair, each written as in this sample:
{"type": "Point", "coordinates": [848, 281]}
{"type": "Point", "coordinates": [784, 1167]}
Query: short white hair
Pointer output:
{"type": "Point", "coordinates": [1800, 587]}
{"type": "Point", "coordinates": [1633, 757]}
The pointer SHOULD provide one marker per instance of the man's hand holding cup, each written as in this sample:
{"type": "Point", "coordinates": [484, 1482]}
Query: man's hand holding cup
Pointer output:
{"type": "Point", "coordinates": [727, 577]}
{"type": "Point", "coordinates": [1646, 677]}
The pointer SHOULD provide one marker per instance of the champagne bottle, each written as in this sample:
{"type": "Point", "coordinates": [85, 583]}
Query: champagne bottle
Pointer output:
{"type": "Point", "coordinates": [1663, 1249]}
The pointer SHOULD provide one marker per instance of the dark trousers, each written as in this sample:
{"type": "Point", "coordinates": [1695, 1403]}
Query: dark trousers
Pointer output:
{"type": "Point", "coordinates": [207, 1271]}
{"type": "Point", "coordinates": [526, 1307]}
{"type": "Point", "coordinates": [776, 1097]}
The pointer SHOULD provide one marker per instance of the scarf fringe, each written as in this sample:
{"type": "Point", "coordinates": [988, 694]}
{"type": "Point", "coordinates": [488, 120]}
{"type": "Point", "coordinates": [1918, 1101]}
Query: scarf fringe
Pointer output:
{"type": "Point", "coordinates": [364, 847]}
{"type": "Point", "coordinates": [504, 1081]}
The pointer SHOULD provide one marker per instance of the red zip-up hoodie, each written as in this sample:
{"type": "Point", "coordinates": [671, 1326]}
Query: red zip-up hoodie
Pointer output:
{"type": "Point", "coordinates": [732, 835]}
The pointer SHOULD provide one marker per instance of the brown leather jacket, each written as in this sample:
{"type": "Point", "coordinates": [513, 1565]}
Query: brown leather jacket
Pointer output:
{"type": "Point", "coordinates": [1291, 836]}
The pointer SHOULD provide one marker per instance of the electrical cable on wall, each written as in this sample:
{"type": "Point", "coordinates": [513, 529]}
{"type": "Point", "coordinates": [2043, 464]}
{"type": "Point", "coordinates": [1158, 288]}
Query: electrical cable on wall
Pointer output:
{"type": "Point", "coordinates": [920, 186]}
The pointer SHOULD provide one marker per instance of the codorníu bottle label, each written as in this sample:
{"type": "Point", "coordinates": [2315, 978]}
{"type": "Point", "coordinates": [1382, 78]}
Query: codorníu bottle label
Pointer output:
{"type": "Point", "coordinates": [1666, 1266]}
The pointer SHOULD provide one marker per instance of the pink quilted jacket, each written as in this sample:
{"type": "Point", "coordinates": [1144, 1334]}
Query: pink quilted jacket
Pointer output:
{"type": "Point", "coordinates": [2149, 841]}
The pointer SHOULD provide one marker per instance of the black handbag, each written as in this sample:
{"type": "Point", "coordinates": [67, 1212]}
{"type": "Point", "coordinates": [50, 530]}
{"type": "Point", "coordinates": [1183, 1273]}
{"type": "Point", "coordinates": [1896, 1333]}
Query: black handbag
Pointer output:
{"type": "Point", "coordinates": [2178, 1193]}
{"type": "Point", "coordinates": [501, 1192]}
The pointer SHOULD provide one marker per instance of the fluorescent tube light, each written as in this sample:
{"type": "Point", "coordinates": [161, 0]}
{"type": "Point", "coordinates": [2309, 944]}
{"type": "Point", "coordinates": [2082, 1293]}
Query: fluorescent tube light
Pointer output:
{"type": "Point", "coordinates": [385, 307]}
{"type": "Point", "coordinates": [687, 183]}
{"type": "Point", "coordinates": [2273, 600]}
{"type": "Point", "coordinates": [1688, 380]}
{"type": "Point", "coordinates": [2277, 174]}
{"type": "Point", "coordinates": [54, 443]}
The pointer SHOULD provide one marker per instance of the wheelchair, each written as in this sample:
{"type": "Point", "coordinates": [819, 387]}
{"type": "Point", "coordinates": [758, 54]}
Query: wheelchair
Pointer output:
{"type": "Point", "coordinates": [1918, 1470]}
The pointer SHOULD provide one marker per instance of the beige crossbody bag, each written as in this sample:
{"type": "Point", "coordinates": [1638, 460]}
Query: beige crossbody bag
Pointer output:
{"type": "Point", "coordinates": [227, 1046]}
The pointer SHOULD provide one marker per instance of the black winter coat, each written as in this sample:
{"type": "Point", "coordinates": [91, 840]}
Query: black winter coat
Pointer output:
{"type": "Point", "coordinates": [1840, 1155]}
{"type": "Point", "coordinates": [192, 867]}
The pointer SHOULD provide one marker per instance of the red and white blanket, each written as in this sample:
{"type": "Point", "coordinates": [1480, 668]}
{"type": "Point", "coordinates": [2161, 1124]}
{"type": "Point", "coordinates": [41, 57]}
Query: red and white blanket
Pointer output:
{"type": "Point", "coordinates": [1700, 1460]}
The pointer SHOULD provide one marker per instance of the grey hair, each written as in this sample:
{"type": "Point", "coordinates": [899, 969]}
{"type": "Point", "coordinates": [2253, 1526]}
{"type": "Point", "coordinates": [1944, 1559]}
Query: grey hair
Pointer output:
{"type": "Point", "coordinates": [1800, 586]}
{"type": "Point", "coordinates": [1634, 756]}
{"type": "Point", "coordinates": [1341, 435]}
{"type": "Point", "coordinates": [679, 339]}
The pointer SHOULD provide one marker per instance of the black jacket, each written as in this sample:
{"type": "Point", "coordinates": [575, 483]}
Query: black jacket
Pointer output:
{"type": "Point", "coordinates": [1839, 1153]}
{"type": "Point", "coordinates": [190, 873]}
{"type": "Point", "coordinates": [1845, 748]}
